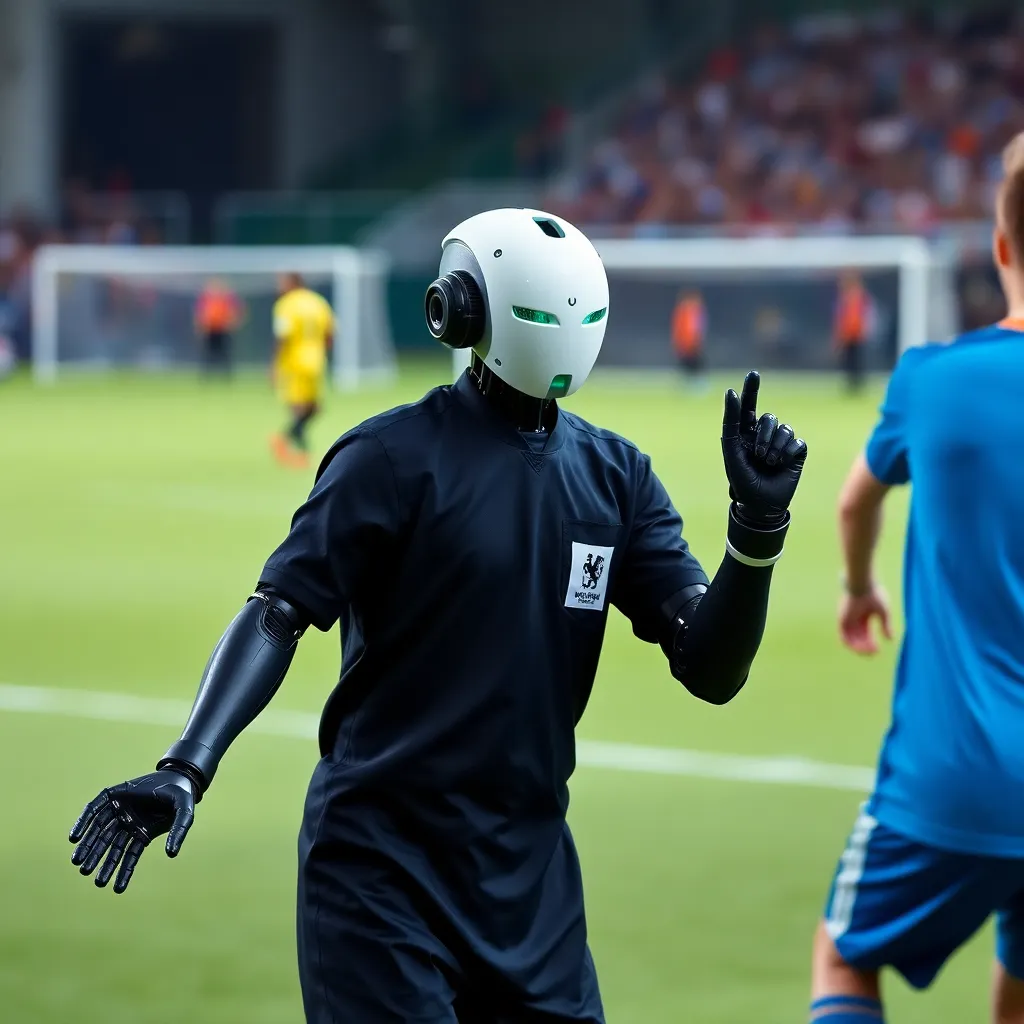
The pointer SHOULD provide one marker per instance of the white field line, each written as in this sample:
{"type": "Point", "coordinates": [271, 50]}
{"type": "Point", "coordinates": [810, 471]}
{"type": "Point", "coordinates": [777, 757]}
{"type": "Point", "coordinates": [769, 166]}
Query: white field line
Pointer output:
{"type": "Point", "coordinates": [625, 757]}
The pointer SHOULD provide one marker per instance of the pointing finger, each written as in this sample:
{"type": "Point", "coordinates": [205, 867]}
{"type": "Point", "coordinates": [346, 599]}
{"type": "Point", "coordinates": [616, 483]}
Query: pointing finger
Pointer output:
{"type": "Point", "coordinates": [731, 418]}
{"type": "Point", "coordinates": [748, 401]}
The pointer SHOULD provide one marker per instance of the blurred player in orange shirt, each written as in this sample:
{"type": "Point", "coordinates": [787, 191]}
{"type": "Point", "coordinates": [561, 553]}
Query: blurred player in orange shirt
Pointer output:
{"type": "Point", "coordinates": [853, 316]}
{"type": "Point", "coordinates": [217, 315]}
{"type": "Point", "coordinates": [689, 326]}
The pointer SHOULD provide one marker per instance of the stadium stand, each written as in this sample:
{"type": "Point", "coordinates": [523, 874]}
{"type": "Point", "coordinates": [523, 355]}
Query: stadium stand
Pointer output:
{"type": "Point", "coordinates": [836, 121]}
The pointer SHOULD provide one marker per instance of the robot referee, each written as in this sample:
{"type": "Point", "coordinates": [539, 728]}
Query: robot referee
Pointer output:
{"type": "Point", "coordinates": [470, 545]}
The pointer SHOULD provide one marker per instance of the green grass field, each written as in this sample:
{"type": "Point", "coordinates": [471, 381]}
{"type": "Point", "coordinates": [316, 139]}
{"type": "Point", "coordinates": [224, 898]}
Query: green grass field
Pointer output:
{"type": "Point", "coordinates": [134, 516]}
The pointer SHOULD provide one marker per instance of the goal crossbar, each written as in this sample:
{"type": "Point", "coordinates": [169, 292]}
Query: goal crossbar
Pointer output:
{"type": "Point", "coordinates": [909, 255]}
{"type": "Point", "coordinates": [922, 288]}
{"type": "Point", "coordinates": [347, 267]}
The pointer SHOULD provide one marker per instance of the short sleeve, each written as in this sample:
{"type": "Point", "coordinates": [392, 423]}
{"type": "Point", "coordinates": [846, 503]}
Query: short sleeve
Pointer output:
{"type": "Point", "coordinates": [887, 453]}
{"type": "Point", "coordinates": [345, 528]}
{"type": "Point", "coordinates": [657, 563]}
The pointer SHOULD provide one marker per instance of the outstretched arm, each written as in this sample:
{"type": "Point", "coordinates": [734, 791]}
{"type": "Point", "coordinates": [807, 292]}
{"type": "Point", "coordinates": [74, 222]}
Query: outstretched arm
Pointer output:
{"type": "Point", "coordinates": [243, 673]}
{"type": "Point", "coordinates": [336, 538]}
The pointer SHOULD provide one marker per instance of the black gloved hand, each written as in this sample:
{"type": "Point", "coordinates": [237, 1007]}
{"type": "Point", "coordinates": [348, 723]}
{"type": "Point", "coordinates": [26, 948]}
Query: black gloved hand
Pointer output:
{"type": "Point", "coordinates": [126, 818]}
{"type": "Point", "coordinates": [763, 458]}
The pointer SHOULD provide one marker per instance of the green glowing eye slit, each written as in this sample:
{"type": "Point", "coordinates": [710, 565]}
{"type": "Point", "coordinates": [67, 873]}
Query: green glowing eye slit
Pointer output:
{"type": "Point", "coordinates": [593, 318]}
{"type": "Point", "coordinates": [559, 385]}
{"type": "Point", "coordinates": [534, 316]}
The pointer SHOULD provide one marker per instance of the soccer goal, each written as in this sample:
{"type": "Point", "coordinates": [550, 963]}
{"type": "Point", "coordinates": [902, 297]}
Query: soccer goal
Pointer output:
{"type": "Point", "coordinates": [770, 302]}
{"type": "Point", "coordinates": [125, 306]}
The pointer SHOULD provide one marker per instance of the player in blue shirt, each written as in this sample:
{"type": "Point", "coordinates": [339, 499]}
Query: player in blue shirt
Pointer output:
{"type": "Point", "coordinates": [471, 546]}
{"type": "Point", "coordinates": [939, 846]}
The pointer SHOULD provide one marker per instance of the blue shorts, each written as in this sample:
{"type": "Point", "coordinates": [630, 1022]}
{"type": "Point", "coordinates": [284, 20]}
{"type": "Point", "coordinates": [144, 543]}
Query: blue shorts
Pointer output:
{"type": "Point", "coordinates": [897, 903]}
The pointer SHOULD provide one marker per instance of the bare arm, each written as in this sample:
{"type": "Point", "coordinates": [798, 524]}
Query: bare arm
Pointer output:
{"type": "Point", "coordinates": [860, 524]}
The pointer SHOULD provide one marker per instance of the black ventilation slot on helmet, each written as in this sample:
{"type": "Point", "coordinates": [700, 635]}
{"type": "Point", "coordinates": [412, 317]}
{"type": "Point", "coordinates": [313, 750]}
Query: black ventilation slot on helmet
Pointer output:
{"type": "Point", "coordinates": [550, 227]}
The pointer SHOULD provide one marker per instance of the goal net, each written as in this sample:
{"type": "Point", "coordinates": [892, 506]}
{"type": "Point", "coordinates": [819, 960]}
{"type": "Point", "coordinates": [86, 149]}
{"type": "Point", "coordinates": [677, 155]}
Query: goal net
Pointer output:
{"type": "Point", "coordinates": [770, 302]}
{"type": "Point", "coordinates": [126, 306]}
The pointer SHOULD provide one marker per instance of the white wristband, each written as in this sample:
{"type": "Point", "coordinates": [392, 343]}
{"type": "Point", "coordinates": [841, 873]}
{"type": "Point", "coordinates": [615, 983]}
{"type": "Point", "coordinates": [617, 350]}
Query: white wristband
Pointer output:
{"type": "Point", "coordinates": [757, 563]}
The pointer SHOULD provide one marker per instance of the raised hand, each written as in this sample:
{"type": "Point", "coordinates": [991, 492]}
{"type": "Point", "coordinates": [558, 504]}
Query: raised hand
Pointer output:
{"type": "Point", "coordinates": [125, 819]}
{"type": "Point", "coordinates": [763, 458]}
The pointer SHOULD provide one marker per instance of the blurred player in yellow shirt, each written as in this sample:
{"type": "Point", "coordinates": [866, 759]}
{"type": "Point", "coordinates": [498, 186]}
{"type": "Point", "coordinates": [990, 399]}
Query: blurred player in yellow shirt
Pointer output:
{"type": "Point", "coordinates": [304, 329]}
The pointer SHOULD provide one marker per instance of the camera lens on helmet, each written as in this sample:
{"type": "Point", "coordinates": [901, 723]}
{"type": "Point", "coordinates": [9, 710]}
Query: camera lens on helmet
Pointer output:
{"type": "Point", "coordinates": [437, 311]}
{"type": "Point", "coordinates": [454, 307]}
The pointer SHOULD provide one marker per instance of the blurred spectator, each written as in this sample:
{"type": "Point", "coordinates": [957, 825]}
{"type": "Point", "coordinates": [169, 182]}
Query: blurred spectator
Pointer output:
{"type": "Point", "coordinates": [888, 121]}
{"type": "Point", "coordinates": [19, 237]}
{"type": "Point", "coordinates": [113, 218]}
{"type": "Point", "coordinates": [540, 149]}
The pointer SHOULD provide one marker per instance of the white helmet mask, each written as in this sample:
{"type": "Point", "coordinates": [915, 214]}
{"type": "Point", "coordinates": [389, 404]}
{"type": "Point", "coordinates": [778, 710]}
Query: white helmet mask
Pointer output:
{"type": "Point", "coordinates": [528, 293]}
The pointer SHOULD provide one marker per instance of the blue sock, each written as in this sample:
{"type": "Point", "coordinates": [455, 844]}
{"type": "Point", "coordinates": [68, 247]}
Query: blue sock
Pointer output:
{"type": "Point", "coordinates": [846, 1010]}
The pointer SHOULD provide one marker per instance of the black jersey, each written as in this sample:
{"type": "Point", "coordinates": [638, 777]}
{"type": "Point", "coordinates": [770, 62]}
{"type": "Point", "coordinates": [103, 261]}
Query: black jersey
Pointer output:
{"type": "Point", "coordinates": [472, 576]}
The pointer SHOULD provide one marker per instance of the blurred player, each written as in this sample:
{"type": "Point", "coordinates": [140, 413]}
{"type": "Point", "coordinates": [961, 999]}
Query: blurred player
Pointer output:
{"type": "Point", "coordinates": [939, 846]}
{"type": "Point", "coordinates": [852, 326]}
{"type": "Point", "coordinates": [471, 546]}
{"type": "Point", "coordinates": [689, 326]}
{"type": "Point", "coordinates": [303, 327]}
{"type": "Point", "coordinates": [217, 315]}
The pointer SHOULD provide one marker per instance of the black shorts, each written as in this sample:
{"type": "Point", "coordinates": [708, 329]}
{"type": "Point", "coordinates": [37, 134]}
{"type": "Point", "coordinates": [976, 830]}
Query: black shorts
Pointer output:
{"type": "Point", "coordinates": [692, 362]}
{"type": "Point", "coordinates": [217, 349]}
{"type": "Point", "coordinates": [853, 362]}
{"type": "Point", "coordinates": [374, 947]}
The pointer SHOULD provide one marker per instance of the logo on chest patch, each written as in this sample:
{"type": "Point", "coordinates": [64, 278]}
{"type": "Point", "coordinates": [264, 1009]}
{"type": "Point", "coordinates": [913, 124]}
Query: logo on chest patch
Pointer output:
{"type": "Point", "coordinates": [588, 576]}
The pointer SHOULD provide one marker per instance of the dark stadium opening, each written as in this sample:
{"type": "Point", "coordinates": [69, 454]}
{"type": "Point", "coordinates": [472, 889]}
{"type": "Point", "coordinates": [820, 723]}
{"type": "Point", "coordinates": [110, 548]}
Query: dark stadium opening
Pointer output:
{"type": "Point", "coordinates": [176, 105]}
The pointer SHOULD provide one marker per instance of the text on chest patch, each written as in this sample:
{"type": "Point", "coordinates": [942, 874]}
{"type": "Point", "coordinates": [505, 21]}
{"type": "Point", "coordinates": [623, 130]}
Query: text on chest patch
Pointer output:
{"type": "Point", "coordinates": [588, 576]}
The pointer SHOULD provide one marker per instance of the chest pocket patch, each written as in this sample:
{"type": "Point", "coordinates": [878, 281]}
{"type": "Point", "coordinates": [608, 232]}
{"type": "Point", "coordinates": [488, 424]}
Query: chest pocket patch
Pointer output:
{"type": "Point", "coordinates": [588, 576]}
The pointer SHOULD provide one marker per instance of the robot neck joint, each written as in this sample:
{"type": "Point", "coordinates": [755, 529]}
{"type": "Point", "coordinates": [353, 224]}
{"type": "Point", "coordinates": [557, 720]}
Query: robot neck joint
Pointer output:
{"type": "Point", "coordinates": [524, 412]}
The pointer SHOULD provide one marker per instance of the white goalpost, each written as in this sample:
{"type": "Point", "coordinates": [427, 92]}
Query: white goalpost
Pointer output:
{"type": "Point", "coordinates": [645, 276]}
{"type": "Point", "coordinates": [913, 259]}
{"type": "Point", "coordinates": [120, 306]}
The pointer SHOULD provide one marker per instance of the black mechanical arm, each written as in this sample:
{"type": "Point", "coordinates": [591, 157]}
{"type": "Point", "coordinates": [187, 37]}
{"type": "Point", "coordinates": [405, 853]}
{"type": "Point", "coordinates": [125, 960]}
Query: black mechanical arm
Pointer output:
{"type": "Point", "coordinates": [243, 673]}
{"type": "Point", "coordinates": [715, 631]}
